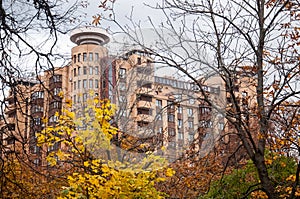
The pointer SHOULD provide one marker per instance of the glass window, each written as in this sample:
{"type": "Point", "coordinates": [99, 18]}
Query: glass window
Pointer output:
{"type": "Point", "coordinates": [159, 103]}
{"type": "Point", "coordinates": [160, 130]}
{"type": "Point", "coordinates": [96, 70]}
{"type": "Point", "coordinates": [122, 86]}
{"type": "Point", "coordinates": [74, 72]}
{"type": "Point", "coordinates": [139, 60]}
{"type": "Point", "coordinates": [96, 56]}
{"type": "Point", "coordinates": [91, 83]}
{"type": "Point", "coordinates": [96, 83]}
{"type": "Point", "coordinates": [84, 70]}
{"type": "Point", "coordinates": [180, 136]}
{"type": "Point", "coordinates": [56, 91]}
{"type": "Point", "coordinates": [191, 124]}
{"type": "Point", "coordinates": [191, 137]}
{"type": "Point", "coordinates": [79, 83]}
{"type": "Point", "coordinates": [159, 117]}
{"type": "Point", "coordinates": [171, 132]}
{"type": "Point", "coordinates": [122, 73]}
{"type": "Point", "coordinates": [79, 57]}
{"type": "Point", "coordinates": [74, 58]}
{"type": "Point", "coordinates": [74, 85]}
{"type": "Point", "coordinates": [74, 99]}
{"type": "Point", "coordinates": [190, 112]}
{"type": "Point", "coordinates": [84, 97]}
{"type": "Point", "coordinates": [84, 57]}
{"type": "Point", "coordinates": [79, 70]}
{"type": "Point", "coordinates": [56, 78]}
{"type": "Point", "coordinates": [171, 118]}
{"type": "Point", "coordinates": [191, 100]}
{"type": "Point", "coordinates": [84, 83]}
{"type": "Point", "coordinates": [90, 56]}
{"type": "Point", "coordinates": [91, 70]}
{"type": "Point", "coordinates": [179, 110]}
{"type": "Point", "coordinates": [37, 95]}
{"type": "Point", "coordinates": [170, 104]}
{"type": "Point", "coordinates": [179, 123]}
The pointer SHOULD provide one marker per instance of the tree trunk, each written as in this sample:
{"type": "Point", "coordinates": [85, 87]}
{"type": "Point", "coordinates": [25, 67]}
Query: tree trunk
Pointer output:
{"type": "Point", "coordinates": [266, 183]}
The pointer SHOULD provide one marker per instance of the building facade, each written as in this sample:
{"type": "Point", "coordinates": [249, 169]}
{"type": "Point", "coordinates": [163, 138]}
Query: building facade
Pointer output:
{"type": "Point", "coordinates": [153, 112]}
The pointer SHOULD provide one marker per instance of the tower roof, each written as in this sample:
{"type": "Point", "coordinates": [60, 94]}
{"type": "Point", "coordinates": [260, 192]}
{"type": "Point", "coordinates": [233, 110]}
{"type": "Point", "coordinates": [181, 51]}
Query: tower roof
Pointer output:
{"type": "Point", "coordinates": [89, 35]}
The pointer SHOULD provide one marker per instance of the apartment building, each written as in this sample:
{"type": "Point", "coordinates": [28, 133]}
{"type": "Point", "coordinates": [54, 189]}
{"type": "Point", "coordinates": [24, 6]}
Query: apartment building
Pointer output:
{"type": "Point", "coordinates": [152, 111]}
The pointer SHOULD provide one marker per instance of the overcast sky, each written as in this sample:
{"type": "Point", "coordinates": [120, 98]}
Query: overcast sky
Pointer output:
{"type": "Point", "coordinates": [123, 8]}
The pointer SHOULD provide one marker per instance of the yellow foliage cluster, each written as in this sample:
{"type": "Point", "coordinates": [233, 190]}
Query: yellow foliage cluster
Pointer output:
{"type": "Point", "coordinates": [98, 177]}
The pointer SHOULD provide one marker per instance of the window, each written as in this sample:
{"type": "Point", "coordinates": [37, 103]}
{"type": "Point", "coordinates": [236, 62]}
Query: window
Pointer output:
{"type": "Point", "coordinates": [204, 110]}
{"type": "Point", "coordinates": [178, 97]}
{"type": "Point", "coordinates": [96, 70]}
{"type": "Point", "coordinates": [84, 85]}
{"type": "Point", "coordinates": [144, 111]}
{"type": "Point", "coordinates": [191, 124]}
{"type": "Point", "coordinates": [84, 57]}
{"type": "Point", "coordinates": [53, 118]}
{"type": "Point", "coordinates": [91, 83]}
{"type": "Point", "coordinates": [37, 121]}
{"type": "Point", "coordinates": [190, 112]}
{"type": "Point", "coordinates": [55, 105]}
{"type": "Point", "coordinates": [79, 70]}
{"type": "Point", "coordinates": [180, 123]}
{"type": "Point", "coordinates": [159, 117]}
{"type": "Point", "coordinates": [179, 110]}
{"type": "Point", "coordinates": [180, 136]}
{"type": "Point", "coordinates": [96, 83]}
{"type": "Point", "coordinates": [160, 130]}
{"type": "Point", "coordinates": [221, 126]}
{"type": "Point", "coordinates": [56, 78]}
{"type": "Point", "coordinates": [170, 105]}
{"type": "Point", "coordinates": [96, 56]}
{"type": "Point", "coordinates": [36, 162]}
{"type": "Point", "coordinates": [191, 100]}
{"type": "Point", "coordinates": [35, 149]}
{"type": "Point", "coordinates": [84, 70]}
{"type": "Point", "coordinates": [85, 96]}
{"type": "Point", "coordinates": [74, 85]}
{"type": "Point", "coordinates": [91, 70]}
{"type": "Point", "coordinates": [79, 57]}
{"type": "Point", "coordinates": [74, 72]}
{"type": "Point", "coordinates": [171, 131]}
{"type": "Point", "coordinates": [122, 73]}
{"type": "Point", "coordinates": [159, 103]}
{"type": "Point", "coordinates": [191, 137]}
{"type": "Point", "coordinates": [171, 118]}
{"type": "Point", "coordinates": [139, 60]}
{"type": "Point", "coordinates": [122, 86]}
{"type": "Point", "coordinates": [90, 56]}
{"type": "Point", "coordinates": [37, 95]}
{"type": "Point", "coordinates": [74, 58]}
{"type": "Point", "coordinates": [79, 84]}
{"type": "Point", "coordinates": [74, 98]}
{"type": "Point", "coordinates": [144, 97]}
{"type": "Point", "coordinates": [37, 108]}
{"type": "Point", "coordinates": [56, 91]}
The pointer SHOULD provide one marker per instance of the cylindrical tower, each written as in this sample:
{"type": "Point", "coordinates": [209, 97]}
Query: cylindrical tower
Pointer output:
{"type": "Point", "coordinates": [89, 64]}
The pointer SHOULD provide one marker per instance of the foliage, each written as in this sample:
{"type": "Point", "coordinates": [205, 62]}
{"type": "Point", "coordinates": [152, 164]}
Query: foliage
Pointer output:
{"type": "Point", "coordinates": [253, 48]}
{"type": "Point", "coordinates": [85, 141]}
{"type": "Point", "coordinates": [245, 182]}
{"type": "Point", "coordinates": [20, 180]}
